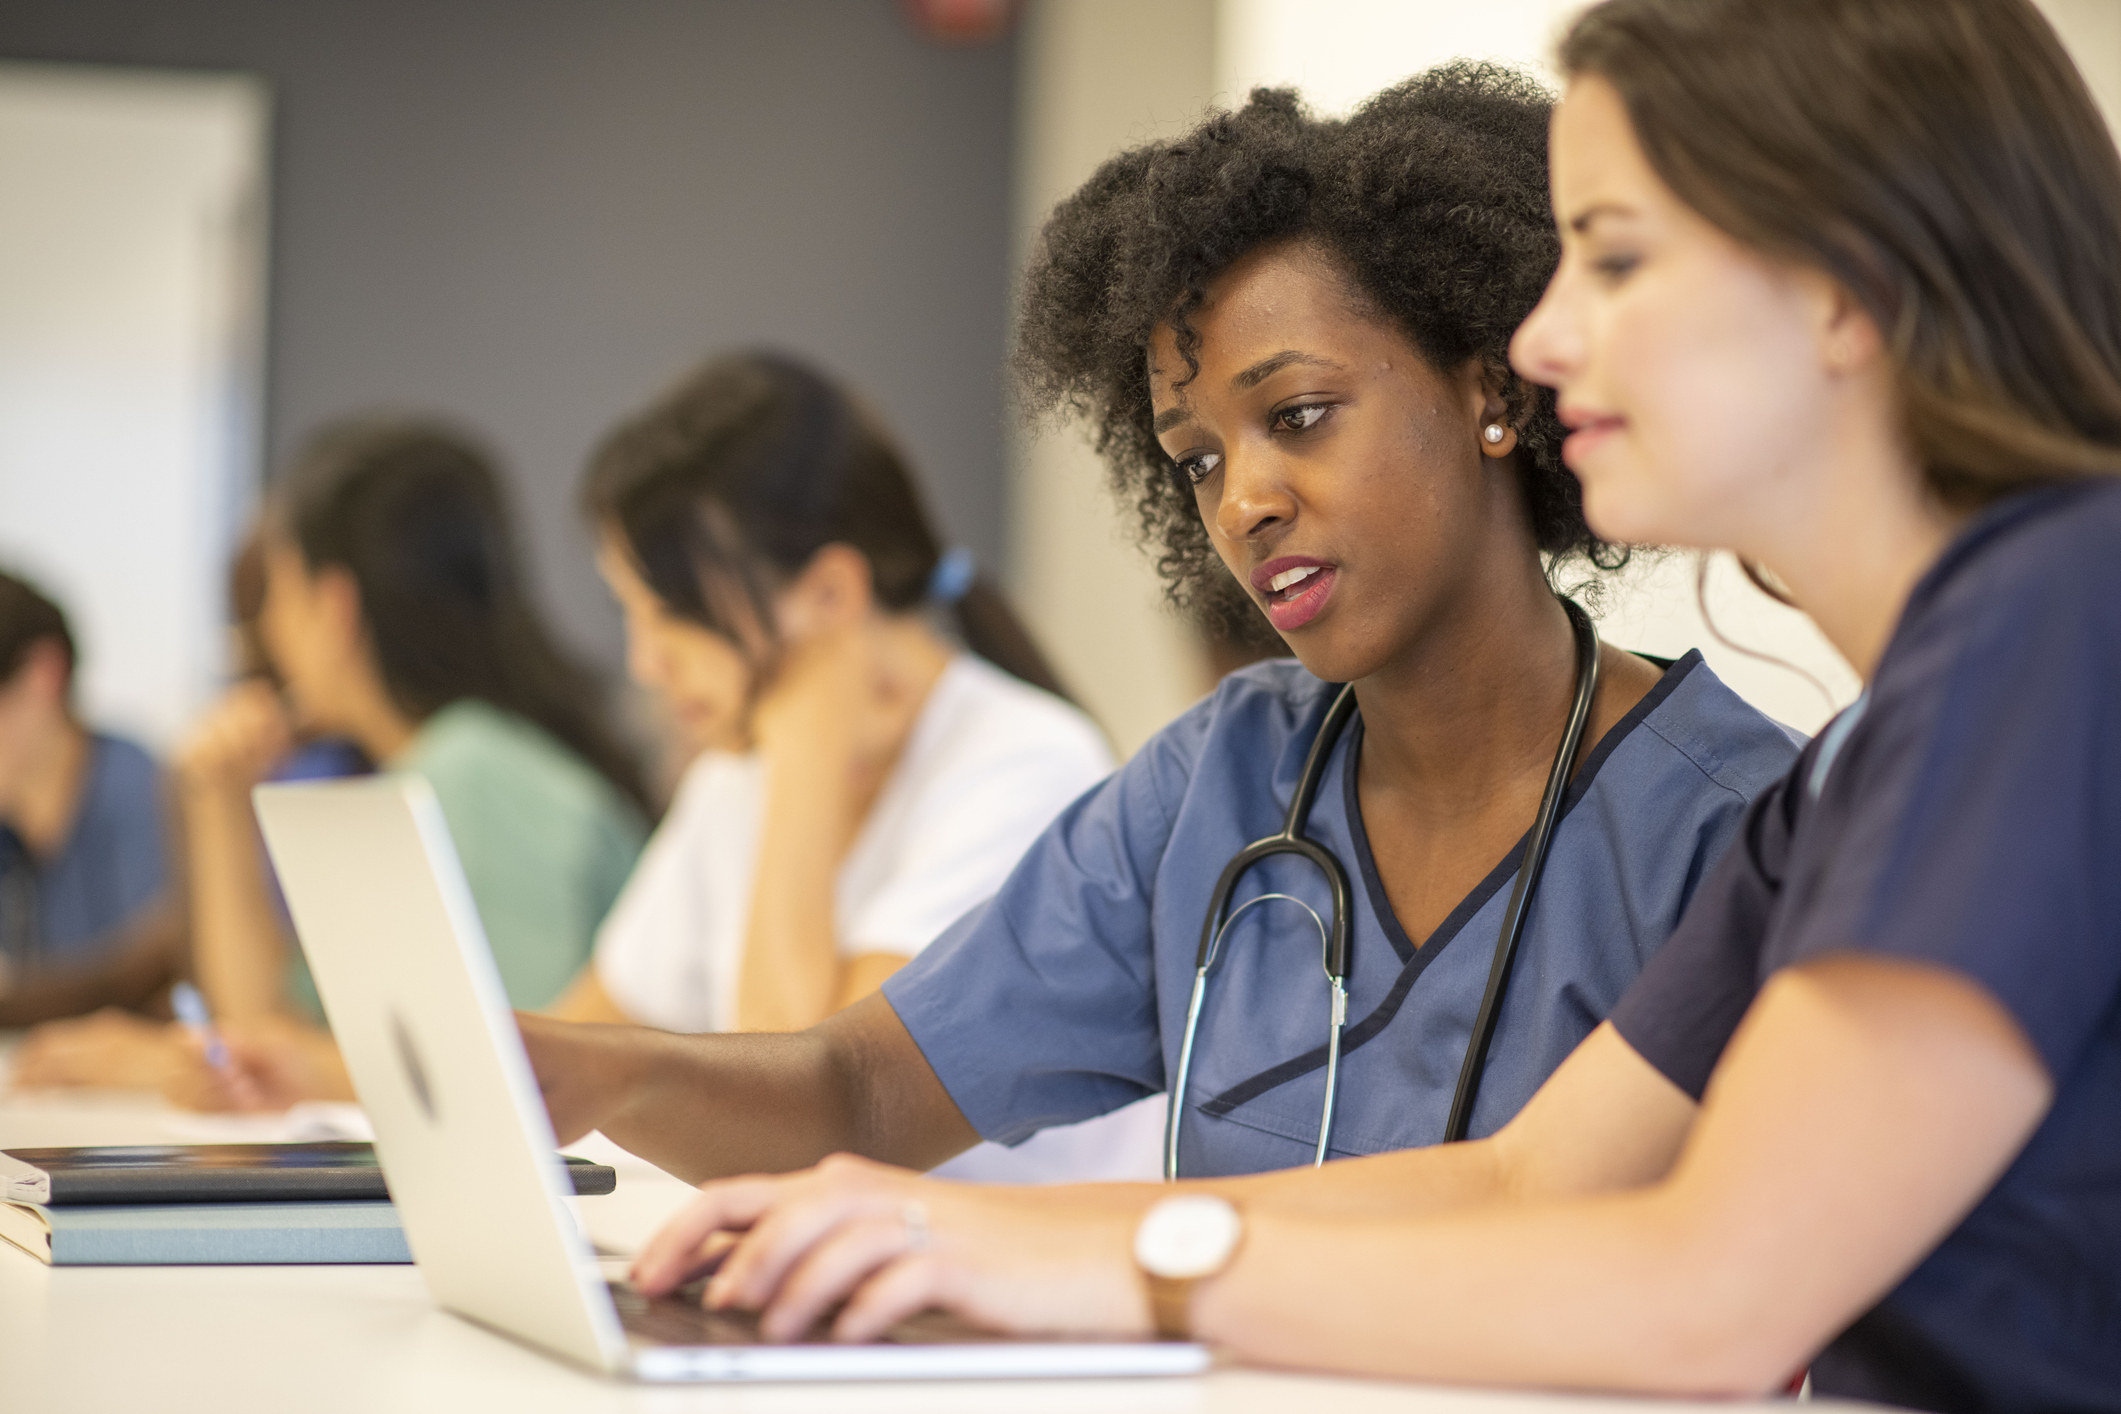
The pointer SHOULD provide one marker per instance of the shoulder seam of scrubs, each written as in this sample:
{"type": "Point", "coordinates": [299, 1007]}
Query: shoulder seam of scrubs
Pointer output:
{"type": "Point", "coordinates": [1170, 812]}
{"type": "Point", "coordinates": [1374, 1024]}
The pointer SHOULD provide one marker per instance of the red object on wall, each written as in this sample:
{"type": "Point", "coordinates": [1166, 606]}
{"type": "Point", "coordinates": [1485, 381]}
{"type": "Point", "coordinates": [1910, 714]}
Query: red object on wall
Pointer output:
{"type": "Point", "coordinates": [962, 21]}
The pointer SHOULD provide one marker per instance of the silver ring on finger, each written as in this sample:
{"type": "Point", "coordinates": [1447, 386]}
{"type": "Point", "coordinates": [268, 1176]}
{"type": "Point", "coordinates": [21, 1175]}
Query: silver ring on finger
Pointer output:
{"type": "Point", "coordinates": [914, 1213]}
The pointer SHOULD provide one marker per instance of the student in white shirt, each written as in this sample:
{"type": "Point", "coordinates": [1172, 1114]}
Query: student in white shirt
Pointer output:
{"type": "Point", "coordinates": [862, 781]}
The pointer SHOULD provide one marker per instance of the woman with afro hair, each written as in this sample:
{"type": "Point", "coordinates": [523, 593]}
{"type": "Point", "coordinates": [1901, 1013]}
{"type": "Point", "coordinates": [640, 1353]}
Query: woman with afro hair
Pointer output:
{"type": "Point", "coordinates": [1290, 337]}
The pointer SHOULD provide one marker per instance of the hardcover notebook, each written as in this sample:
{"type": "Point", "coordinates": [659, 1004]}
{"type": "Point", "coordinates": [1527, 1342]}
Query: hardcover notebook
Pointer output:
{"type": "Point", "coordinates": [214, 1204]}
{"type": "Point", "coordinates": [217, 1173]}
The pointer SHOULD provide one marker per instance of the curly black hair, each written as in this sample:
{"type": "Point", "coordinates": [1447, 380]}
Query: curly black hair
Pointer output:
{"type": "Point", "coordinates": [1432, 200]}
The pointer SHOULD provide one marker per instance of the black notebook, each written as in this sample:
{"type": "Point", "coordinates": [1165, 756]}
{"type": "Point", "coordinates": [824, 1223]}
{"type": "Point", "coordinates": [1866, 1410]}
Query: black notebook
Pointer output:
{"type": "Point", "coordinates": [216, 1173]}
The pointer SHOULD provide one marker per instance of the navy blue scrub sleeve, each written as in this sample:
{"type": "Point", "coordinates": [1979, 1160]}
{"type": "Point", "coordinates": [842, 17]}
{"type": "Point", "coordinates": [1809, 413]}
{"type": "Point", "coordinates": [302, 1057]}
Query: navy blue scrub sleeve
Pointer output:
{"type": "Point", "coordinates": [1683, 1009]}
{"type": "Point", "coordinates": [1971, 822]}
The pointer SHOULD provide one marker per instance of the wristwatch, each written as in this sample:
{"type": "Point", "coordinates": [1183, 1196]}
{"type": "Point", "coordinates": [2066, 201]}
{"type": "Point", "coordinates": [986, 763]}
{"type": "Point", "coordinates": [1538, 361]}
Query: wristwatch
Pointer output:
{"type": "Point", "coordinates": [1180, 1243]}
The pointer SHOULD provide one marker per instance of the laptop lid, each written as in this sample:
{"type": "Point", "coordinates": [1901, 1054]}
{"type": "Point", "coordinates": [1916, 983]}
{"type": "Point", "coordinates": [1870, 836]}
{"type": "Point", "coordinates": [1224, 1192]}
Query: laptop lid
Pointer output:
{"type": "Point", "coordinates": [407, 979]}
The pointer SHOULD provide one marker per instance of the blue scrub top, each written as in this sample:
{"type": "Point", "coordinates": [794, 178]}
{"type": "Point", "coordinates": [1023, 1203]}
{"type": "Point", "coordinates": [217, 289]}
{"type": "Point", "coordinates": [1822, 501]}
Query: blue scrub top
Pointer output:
{"type": "Point", "coordinates": [1065, 996]}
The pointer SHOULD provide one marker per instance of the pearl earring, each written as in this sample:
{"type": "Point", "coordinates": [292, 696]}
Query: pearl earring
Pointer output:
{"type": "Point", "coordinates": [1493, 433]}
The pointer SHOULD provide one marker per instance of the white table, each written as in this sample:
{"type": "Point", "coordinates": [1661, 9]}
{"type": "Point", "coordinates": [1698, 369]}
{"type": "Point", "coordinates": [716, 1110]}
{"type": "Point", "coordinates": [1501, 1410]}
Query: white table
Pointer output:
{"type": "Point", "coordinates": [232, 1339]}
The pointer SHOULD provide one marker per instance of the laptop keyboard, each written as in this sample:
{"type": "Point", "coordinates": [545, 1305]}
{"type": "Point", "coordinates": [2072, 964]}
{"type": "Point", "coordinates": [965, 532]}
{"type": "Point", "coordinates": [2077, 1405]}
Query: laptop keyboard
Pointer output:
{"type": "Point", "coordinates": [679, 1319]}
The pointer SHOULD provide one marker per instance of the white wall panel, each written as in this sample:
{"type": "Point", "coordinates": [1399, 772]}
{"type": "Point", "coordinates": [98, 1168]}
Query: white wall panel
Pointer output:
{"type": "Point", "coordinates": [131, 271]}
{"type": "Point", "coordinates": [1099, 76]}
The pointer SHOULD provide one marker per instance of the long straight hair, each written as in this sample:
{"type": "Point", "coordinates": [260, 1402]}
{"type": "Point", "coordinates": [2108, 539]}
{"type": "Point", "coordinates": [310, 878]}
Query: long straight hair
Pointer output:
{"type": "Point", "coordinates": [754, 462]}
{"type": "Point", "coordinates": [414, 511]}
{"type": "Point", "coordinates": [1942, 160]}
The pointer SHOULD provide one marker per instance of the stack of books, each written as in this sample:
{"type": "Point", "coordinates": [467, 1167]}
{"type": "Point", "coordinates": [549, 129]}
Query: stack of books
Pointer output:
{"type": "Point", "coordinates": [170, 1204]}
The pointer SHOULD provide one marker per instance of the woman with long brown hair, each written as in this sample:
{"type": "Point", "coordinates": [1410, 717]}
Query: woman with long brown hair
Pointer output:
{"type": "Point", "coordinates": [1840, 291]}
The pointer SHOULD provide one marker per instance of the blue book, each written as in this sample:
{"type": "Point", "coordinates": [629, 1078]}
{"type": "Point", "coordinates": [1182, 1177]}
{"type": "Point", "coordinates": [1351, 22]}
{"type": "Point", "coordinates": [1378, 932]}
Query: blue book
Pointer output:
{"type": "Point", "coordinates": [215, 1234]}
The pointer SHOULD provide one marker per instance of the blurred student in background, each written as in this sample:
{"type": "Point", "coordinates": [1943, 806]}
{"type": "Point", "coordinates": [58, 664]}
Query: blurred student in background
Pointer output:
{"type": "Point", "coordinates": [258, 687]}
{"type": "Point", "coordinates": [395, 614]}
{"type": "Point", "coordinates": [123, 1044]}
{"type": "Point", "coordinates": [861, 781]}
{"type": "Point", "coordinates": [86, 915]}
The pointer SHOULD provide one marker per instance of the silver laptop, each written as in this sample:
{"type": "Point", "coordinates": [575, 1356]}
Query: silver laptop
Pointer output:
{"type": "Point", "coordinates": [383, 912]}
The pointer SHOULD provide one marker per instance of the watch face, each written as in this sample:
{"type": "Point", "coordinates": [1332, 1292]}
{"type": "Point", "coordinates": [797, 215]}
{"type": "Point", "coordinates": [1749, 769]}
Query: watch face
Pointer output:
{"type": "Point", "coordinates": [1187, 1238]}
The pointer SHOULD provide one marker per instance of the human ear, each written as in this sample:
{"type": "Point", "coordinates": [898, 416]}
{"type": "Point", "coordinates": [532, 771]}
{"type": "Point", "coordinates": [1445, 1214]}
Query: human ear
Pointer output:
{"type": "Point", "coordinates": [835, 590]}
{"type": "Point", "coordinates": [1498, 438]}
{"type": "Point", "coordinates": [1849, 338]}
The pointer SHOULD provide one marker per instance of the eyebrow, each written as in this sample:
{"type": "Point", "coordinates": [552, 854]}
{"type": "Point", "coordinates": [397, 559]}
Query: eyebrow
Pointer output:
{"type": "Point", "coordinates": [1581, 221]}
{"type": "Point", "coordinates": [1267, 367]}
{"type": "Point", "coordinates": [1171, 417]}
{"type": "Point", "coordinates": [1248, 379]}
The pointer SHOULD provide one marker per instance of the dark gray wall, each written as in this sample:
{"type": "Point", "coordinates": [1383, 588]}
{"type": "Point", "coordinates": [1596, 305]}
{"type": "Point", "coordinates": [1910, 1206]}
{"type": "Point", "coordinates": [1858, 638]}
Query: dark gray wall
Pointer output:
{"type": "Point", "coordinates": [530, 214]}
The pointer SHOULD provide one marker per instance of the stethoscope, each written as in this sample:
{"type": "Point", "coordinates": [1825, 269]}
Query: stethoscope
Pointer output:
{"type": "Point", "coordinates": [1333, 937]}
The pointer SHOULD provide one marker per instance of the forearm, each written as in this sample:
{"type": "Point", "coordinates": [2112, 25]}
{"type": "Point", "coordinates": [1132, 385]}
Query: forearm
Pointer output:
{"type": "Point", "coordinates": [791, 975]}
{"type": "Point", "coordinates": [1402, 1184]}
{"type": "Point", "coordinates": [238, 949]}
{"type": "Point", "coordinates": [1617, 1292]}
{"type": "Point", "coordinates": [1861, 1110]}
{"type": "Point", "coordinates": [139, 965]}
{"type": "Point", "coordinates": [711, 1106]}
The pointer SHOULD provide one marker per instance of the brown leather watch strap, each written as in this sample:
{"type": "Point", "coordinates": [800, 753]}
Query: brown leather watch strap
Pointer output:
{"type": "Point", "coordinates": [1171, 1305]}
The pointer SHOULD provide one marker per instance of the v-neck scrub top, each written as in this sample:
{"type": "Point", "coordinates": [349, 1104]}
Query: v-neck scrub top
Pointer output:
{"type": "Point", "coordinates": [1065, 995]}
{"type": "Point", "coordinates": [1969, 818]}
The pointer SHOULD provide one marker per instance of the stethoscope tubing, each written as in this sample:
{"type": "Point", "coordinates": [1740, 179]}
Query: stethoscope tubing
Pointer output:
{"type": "Point", "coordinates": [1334, 942]}
{"type": "Point", "coordinates": [1531, 865]}
{"type": "Point", "coordinates": [1334, 939]}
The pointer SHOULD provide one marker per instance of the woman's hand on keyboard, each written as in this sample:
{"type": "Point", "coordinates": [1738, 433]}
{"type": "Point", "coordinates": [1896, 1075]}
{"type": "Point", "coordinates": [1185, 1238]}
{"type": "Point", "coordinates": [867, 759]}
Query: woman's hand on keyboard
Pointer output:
{"type": "Point", "coordinates": [882, 1244]}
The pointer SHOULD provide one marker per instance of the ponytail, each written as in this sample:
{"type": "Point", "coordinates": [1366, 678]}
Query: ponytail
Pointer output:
{"type": "Point", "coordinates": [991, 629]}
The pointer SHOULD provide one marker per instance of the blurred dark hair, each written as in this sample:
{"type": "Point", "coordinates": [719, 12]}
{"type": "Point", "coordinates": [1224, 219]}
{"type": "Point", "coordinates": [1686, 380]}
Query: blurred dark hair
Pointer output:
{"type": "Point", "coordinates": [414, 512]}
{"type": "Point", "coordinates": [754, 462]}
{"type": "Point", "coordinates": [28, 618]}
{"type": "Point", "coordinates": [1431, 201]}
{"type": "Point", "coordinates": [1941, 159]}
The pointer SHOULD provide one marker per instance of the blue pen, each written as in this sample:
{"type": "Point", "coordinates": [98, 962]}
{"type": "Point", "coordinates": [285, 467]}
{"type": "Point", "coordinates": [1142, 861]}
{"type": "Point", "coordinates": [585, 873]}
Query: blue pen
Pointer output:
{"type": "Point", "coordinates": [190, 1007]}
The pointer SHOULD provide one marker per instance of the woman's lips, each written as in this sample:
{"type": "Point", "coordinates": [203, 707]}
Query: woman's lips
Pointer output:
{"type": "Point", "coordinates": [1295, 604]}
{"type": "Point", "coordinates": [1590, 434]}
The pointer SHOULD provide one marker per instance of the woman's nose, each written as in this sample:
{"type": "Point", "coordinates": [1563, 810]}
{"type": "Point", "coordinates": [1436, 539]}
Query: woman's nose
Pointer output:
{"type": "Point", "coordinates": [1547, 348]}
{"type": "Point", "coordinates": [1256, 498]}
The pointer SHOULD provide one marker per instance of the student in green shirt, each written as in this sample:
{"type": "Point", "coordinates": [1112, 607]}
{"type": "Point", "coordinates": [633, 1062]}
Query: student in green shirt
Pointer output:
{"type": "Point", "coordinates": [396, 618]}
